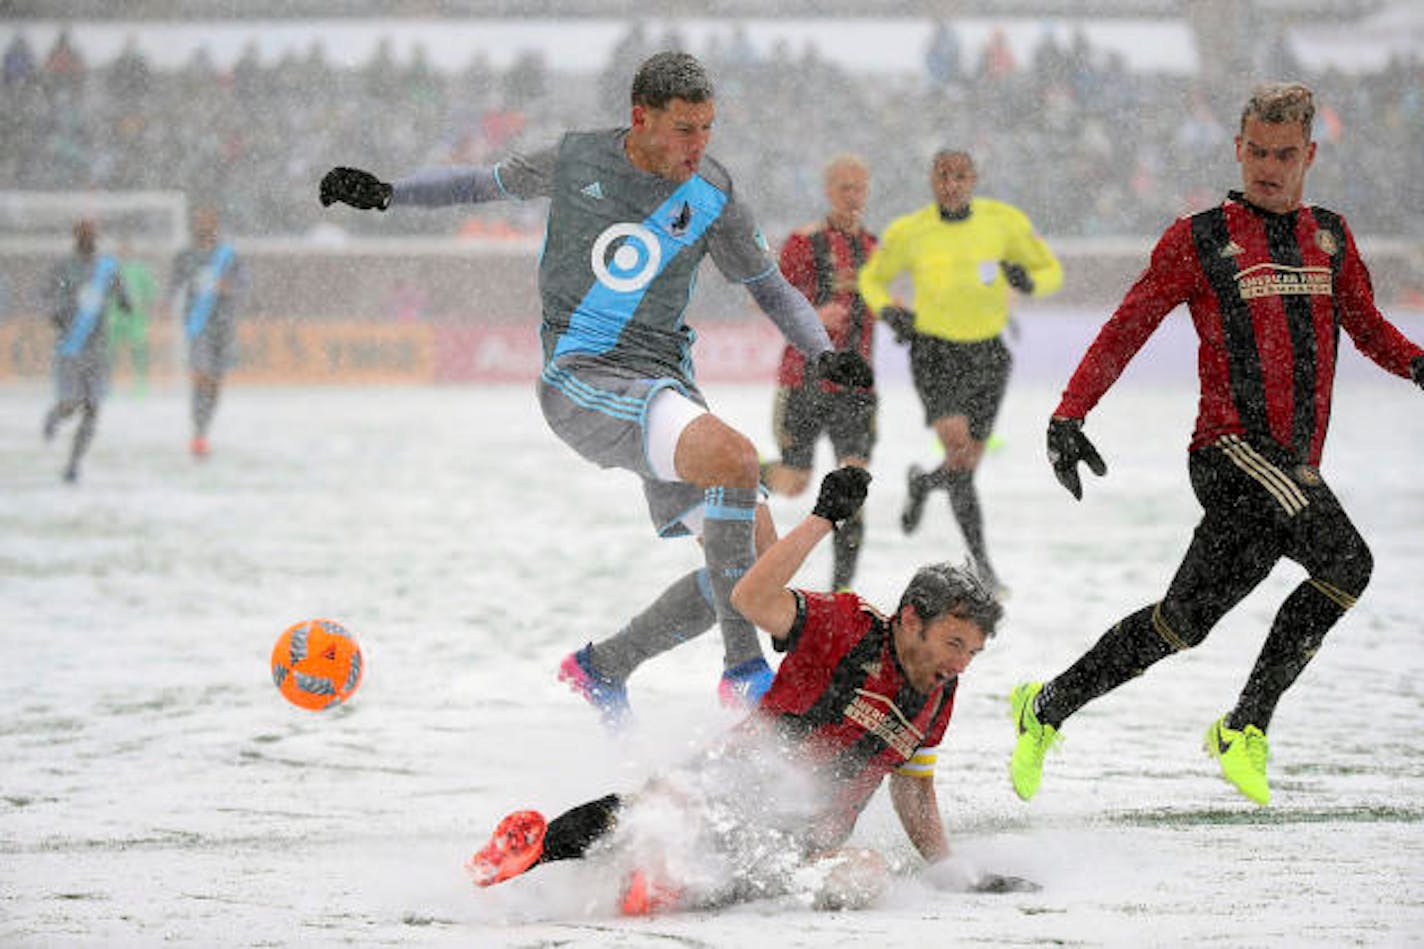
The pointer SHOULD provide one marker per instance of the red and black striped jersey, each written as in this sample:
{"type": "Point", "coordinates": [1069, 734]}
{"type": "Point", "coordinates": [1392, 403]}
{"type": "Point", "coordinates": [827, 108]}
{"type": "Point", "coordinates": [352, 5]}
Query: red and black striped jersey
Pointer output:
{"type": "Point", "coordinates": [823, 263]}
{"type": "Point", "coordinates": [843, 704]}
{"type": "Point", "coordinates": [1268, 295]}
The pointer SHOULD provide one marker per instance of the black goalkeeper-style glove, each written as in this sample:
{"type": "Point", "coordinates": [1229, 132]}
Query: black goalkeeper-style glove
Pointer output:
{"type": "Point", "coordinates": [842, 493]}
{"type": "Point", "coordinates": [1067, 445]}
{"type": "Point", "coordinates": [900, 320]}
{"type": "Point", "coordinates": [1416, 371]}
{"type": "Point", "coordinates": [355, 187]}
{"type": "Point", "coordinates": [845, 367]}
{"type": "Point", "coordinates": [1017, 277]}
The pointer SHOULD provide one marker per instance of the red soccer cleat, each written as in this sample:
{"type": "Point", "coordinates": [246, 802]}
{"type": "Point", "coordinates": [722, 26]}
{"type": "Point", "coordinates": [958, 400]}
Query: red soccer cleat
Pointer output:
{"type": "Point", "coordinates": [515, 846]}
{"type": "Point", "coordinates": [199, 448]}
{"type": "Point", "coordinates": [644, 896]}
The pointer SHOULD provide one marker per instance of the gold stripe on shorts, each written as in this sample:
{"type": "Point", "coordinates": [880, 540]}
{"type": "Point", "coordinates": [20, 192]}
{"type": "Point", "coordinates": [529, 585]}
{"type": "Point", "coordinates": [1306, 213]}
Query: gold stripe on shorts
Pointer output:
{"type": "Point", "coordinates": [1280, 485]}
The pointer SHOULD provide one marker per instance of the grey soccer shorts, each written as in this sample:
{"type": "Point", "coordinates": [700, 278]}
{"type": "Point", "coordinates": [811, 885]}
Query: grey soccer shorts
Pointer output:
{"type": "Point", "coordinates": [212, 352]}
{"type": "Point", "coordinates": [600, 410]}
{"type": "Point", "coordinates": [80, 379]}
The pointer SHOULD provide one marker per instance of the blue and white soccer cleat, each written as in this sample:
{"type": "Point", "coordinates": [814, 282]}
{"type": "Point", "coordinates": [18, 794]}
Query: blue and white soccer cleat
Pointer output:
{"type": "Point", "coordinates": [608, 696]}
{"type": "Point", "coordinates": [744, 684]}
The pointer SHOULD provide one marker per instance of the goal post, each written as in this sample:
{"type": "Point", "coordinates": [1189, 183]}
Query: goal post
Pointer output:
{"type": "Point", "coordinates": [41, 223]}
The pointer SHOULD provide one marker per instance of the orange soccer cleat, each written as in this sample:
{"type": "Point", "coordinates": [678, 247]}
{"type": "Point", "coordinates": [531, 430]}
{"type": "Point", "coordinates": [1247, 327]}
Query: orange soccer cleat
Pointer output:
{"type": "Point", "coordinates": [515, 846]}
{"type": "Point", "coordinates": [644, 895]}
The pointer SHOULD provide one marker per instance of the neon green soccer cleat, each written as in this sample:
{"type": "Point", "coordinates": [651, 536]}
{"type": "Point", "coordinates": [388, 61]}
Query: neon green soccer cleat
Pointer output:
{"type": "Point", "coordinates": [1034, 740]}
{"type": "Point", "coordinates": [1242, 755]}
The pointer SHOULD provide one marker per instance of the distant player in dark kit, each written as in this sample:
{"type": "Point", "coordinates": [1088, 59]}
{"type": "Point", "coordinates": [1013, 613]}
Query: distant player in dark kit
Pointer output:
{"type": "Point", "coordinates": [209, 284]}
{"type": "Point", "coordinates": [77, 292]}
{"type": "Point", "coordinates": [632, 214]}
{"type": "Point", "coordinates": [964, 255]}
{"type": "Point", "coordinates": [1269, 283]}
{"type": "Point", "coordinates": [822, 260]}
{"type": "Point", "coordinates": [858, 697]}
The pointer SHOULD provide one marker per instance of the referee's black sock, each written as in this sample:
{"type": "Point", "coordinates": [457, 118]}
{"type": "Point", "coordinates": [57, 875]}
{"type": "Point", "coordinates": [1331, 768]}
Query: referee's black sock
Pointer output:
{"type": "Point", "coordinates": [964, 503]}
{"type": "Point", "coordinates": [936, 477]}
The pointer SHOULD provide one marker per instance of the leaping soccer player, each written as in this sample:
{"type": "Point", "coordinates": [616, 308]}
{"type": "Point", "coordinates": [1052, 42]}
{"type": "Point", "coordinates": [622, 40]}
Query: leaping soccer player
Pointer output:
{"type": "Point", "coordinates": [633, 212]}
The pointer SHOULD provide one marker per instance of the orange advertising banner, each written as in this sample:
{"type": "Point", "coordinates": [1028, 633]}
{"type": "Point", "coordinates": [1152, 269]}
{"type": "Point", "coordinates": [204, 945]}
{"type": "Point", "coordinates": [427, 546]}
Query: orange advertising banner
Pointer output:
{"type": "Point", "coordinates": [365, 353]}
{"type": "Point", "coordinates": [335, 353]}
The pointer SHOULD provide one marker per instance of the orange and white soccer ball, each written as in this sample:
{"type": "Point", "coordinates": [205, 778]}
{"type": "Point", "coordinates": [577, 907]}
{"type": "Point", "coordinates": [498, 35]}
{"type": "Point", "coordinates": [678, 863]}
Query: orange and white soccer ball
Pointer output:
{"type": "Point", "coordinates": [316, 664]}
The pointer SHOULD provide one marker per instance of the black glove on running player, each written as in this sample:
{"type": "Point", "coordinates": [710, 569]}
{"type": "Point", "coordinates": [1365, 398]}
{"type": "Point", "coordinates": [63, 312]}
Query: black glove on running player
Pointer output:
{"type": "Point", "coordinates": [1067, 445]}
{"type": "Point", "coordinates": [1416, 371]}
{"type": "Point", "coordinates": [900, 320]}
{"type": "Point", "coordinates": [355, 187]}
{"type": "Point", "coordinates": [845, 368]}
{"type": "Point", "coordinates": [842, 493]}
{"type": "Point", "coordinates": [1017, 277]}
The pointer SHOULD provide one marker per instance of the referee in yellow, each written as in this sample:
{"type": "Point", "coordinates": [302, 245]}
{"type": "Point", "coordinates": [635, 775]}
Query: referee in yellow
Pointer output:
{"type": "Point", "coordinates": [964, 255]}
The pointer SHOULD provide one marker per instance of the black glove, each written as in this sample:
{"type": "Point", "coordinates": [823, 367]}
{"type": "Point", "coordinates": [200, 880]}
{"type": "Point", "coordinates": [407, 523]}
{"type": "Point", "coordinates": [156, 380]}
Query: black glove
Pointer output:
{"type": "Point", "coordinates": [842, 493]}
{"type": "Point", "coordinates": [845, 367]}
{"type": "Point", "coordinates": [900, 320]}
{"type": "Point", "coordinates": [1017, 277]}
{"type": "Point", "coordinates": [1416, 371]}
{"type": "Point", "coordinates": [1067, 445]}
{"type": "Point", "coordinates": [355, 187]}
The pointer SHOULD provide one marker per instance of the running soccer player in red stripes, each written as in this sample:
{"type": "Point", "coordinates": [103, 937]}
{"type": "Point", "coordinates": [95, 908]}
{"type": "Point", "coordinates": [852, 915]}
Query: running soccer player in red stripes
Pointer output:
{"type": "Point", "coordinates": [1270, 282]}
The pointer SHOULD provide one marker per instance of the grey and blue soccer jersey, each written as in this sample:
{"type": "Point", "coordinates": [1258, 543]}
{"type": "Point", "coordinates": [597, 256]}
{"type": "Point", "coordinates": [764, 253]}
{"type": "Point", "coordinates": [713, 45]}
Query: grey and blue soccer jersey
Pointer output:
{"type": "Point", "coordinates": [622, 249]}
{"type": "Point", "coordinates": [640, 239]}
{"type": "Point", "coordinates": [76, 293]}
{"type": "Point", "coordinates": [208, 286]}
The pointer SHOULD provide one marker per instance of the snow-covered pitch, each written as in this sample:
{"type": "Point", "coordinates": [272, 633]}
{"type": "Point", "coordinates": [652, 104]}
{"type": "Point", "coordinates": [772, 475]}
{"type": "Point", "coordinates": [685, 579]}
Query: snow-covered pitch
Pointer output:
{"type": "Point", "coordinates": [155, 788]}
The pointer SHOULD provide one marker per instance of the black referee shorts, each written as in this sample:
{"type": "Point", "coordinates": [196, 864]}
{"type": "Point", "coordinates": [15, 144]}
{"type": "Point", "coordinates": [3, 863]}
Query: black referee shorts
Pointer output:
{"type": "Point", "coordinates": [966, 379]}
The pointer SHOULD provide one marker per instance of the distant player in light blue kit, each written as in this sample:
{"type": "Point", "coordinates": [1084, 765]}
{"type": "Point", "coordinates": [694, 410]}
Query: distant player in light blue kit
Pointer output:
{"type": "Point", "coordinates": [209, 283]}
{"type": "Point", "coordinates": [78, 289]}
{"type": "Point", "coordinates": [633, 211]}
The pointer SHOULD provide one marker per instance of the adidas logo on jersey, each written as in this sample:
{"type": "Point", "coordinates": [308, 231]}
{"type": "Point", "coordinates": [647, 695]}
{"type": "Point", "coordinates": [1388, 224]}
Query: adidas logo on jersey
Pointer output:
{"type": "Point", "coordinates": [594, 191]}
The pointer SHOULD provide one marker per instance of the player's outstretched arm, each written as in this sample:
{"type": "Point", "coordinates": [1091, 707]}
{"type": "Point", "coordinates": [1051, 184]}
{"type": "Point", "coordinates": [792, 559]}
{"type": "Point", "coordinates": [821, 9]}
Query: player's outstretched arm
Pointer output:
{"type": "Point", "coordinates": [762, 596]}
{"type": "Point", "coordinates": [791, 312]}
{"type": "Point", "coordinates": [432, 188]}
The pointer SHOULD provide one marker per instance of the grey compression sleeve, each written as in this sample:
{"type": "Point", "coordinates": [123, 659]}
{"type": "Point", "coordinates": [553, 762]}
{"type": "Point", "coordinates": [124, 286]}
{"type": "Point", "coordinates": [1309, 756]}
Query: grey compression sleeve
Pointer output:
{"type": "Point", "coordinates": [438, 187]}
{"type": "Point", "coordinates": [791, 313]}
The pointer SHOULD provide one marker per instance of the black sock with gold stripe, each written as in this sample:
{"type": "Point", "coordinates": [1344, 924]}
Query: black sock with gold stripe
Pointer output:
{"type": "Point", "coordinates": [1124, 652]}
{"type": "Point", "coordinates": [1296, 635]}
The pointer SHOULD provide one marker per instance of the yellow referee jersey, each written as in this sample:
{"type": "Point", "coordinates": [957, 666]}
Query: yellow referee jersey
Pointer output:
{"type": "Point", "coordinates": [959, 289]}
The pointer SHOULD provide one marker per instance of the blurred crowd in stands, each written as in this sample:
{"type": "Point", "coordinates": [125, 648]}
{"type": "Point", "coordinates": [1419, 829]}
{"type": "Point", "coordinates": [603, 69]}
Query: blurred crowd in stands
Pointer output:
{"type": "Point", "coordinates": [1070, 135]}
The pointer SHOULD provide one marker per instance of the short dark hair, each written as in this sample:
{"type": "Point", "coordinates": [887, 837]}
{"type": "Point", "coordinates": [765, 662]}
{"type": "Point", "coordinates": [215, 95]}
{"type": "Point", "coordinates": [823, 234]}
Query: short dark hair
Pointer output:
{"type": "Point", "coordinates": [670, 75]}
{"type": "Point", "coordinates": [941, 588]}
